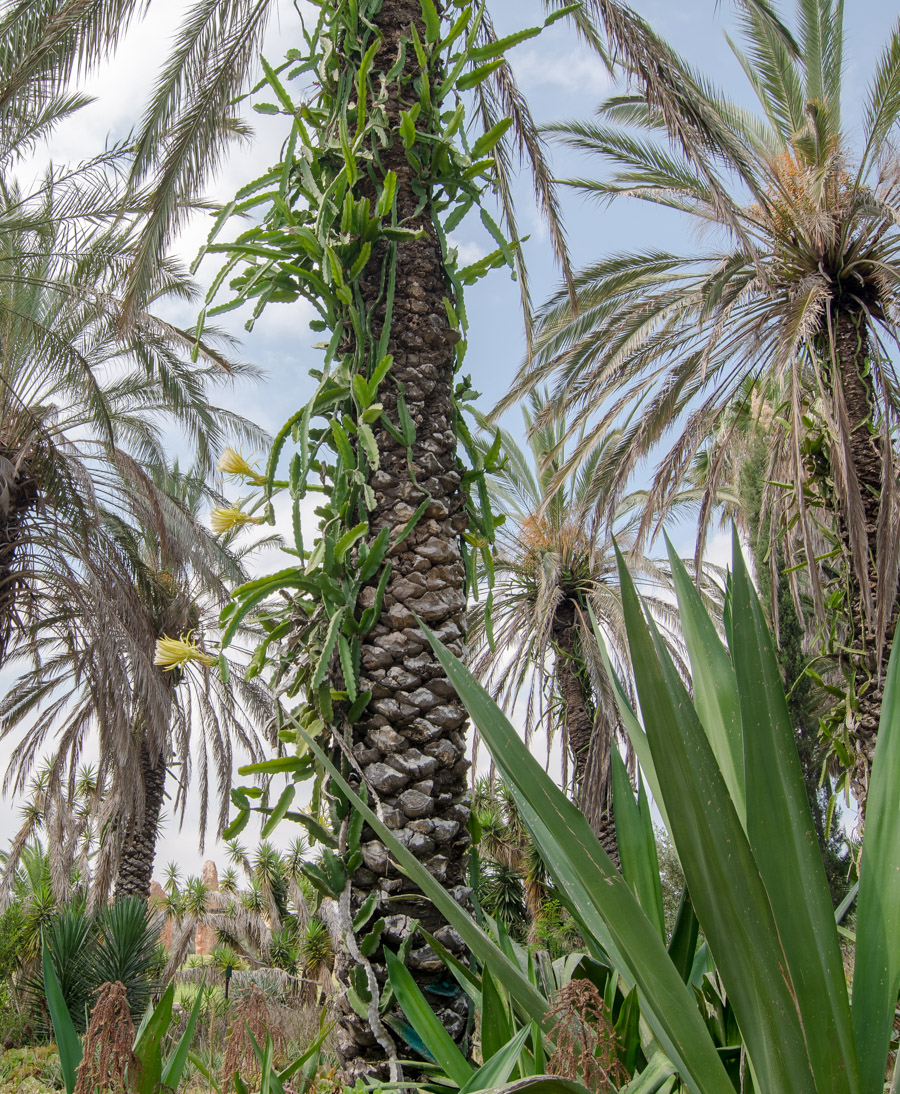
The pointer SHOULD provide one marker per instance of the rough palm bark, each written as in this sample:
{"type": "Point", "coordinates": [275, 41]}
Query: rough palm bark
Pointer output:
{"type": "Point", "coordinates": [18, 496]}
{"type": "Point", "coordinates": [139, 847]}
{"type": "Point", "coordinates": [582, 731]}
{"type": "Point", "coordinates": [852, 352]}
{"type": "Point", "coordinates": [410, 743]}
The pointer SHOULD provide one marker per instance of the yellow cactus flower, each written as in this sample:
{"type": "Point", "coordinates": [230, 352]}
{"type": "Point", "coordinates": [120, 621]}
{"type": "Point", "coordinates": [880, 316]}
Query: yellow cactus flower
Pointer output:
{"type": "Point", "coordinates": [174, 653]}
{"type": "Point", "coordinates": [224, 520]}
{"type": "Point", "coordinates": [234, 464]}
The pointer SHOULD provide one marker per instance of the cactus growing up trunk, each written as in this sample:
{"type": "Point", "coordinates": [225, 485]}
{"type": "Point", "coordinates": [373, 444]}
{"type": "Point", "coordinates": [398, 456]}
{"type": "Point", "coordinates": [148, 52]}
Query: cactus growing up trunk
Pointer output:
{"type": "Point", "coordinates": [410, 742]}
{"type": "Point", "coordinates": [375, 173]}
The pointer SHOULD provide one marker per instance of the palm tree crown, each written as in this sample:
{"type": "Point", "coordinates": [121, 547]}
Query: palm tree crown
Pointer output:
{"type": "Point", "coordinates": [795, 282]}
{"type": "Point", "coordinates": [555, 566]}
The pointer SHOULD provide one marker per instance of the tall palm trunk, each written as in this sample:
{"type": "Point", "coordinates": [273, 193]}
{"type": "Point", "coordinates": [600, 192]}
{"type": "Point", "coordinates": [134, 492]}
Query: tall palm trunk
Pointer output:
{"type": "Point", "coordinates": [583, 730]}
{"type": "Point", "coordinates": [410, 743]}
{"type": "Point", "coordinates": [139, 850]}
{"type": "Point", "coordinates": [18, 496]}
{"type": "Point", "coordinates": [852, 351]}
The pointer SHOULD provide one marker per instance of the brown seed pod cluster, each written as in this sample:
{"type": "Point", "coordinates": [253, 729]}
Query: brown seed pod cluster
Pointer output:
{"type": "Point", "coordinates": [250, 1016]}
{"type": "Point", "coordinates": [588, 1049]}
{"type": "Point", "coordinates": [108, 1053]}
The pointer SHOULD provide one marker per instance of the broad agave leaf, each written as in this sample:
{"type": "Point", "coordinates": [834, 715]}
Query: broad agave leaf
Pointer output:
{"type": "Point", "coordinates": [426, 1023]}
{"type": "Point", "coordinates": [630, 721]}
{"type": "Point", "coordinates": [782, 837]}
{"type": "Point", "coordinates": [175, 1065]}
{"type": "Point", "coordinates": [68, 1043]}
{"type": "Point", "coordinates": [759, 892]}
{"type": "Point", "coordinates": [637, 844]}
{"type": "Point", "coordinates": [595, 891]}
{"type": "Point", "coordinates": [724, 881]}
{"type": "Point", "coordinates": [876, 978]}
{"type": "Point", "coordinates": [148, 1043]}
{"type": "Point", "coordinates": [527, 998]}
{"type": "Point", "coordinates": [715, 688]}
{"type": "Point", "coordinates": [541, 1084]}
{"type": "Point", "coordinates": [501, 1065]}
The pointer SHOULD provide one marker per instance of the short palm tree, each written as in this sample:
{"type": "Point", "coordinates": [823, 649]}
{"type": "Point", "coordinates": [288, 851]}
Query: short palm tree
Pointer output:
{"type": "Point", "coordinates": [795, 279]}
{"type": "Point", "coordinates": [66, 819]}
{"type": "Point", "coordinates": [555, 565]}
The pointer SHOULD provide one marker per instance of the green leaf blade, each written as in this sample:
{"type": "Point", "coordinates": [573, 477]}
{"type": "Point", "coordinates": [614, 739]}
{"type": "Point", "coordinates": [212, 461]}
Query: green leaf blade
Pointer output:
{"type": "Point", "coordinates": [606, 907]}
{"type": "Point", "coordinates": [876, 978]}
{"type": "Point", "coordinates": [715, 687]}
{"type": "Point", "coordinates": [782, 836]}
{"type": "Point", "coordinates": [425, 1022]}
{"type": "Point", "coordinates": [727, 891]}
{"type": "Point", "coordinates": [68, 1043]}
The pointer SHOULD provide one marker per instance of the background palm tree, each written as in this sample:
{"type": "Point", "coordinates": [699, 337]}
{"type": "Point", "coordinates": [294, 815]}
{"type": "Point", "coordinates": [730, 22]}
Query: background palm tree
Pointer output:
{"type": "Point", "coordinates": [180, 140]}
{"type": "Point", "coordinates": [798, 282]}
{"type": "Point", "coordinates": [554, 565]}
{"type": "Point", "coordinates": [83, 406]}
{"type": "Point", "coordinates": [64, 820]}
{"type": "Point", "coordinates": [171, 577]}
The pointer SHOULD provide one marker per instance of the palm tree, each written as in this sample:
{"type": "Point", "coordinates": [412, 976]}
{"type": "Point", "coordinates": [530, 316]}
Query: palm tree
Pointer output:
{"type": "Point", "coordinates": [66, 819]}
{"type": "Point", "coordinates": [180, 141]}
{"type": "Point", "coordinates": [554, 566]}
{"type": "Point", "coordinates": [170, 577]}
{"type": "Point", "coordinates": [796, 281]}
{"type": "Point", "coordinates": [83, 405]}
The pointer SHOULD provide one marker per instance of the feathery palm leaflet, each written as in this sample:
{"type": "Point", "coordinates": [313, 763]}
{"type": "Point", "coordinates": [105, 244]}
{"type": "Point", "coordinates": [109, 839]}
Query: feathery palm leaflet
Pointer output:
{"type": "Point", "coordinates": [796, 280]}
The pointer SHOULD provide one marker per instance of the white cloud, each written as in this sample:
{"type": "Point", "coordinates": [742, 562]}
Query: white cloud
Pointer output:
{"type": "Point", "coordinates": [574, 70]}
{"type": "Point", "coordinates": [468, 251]}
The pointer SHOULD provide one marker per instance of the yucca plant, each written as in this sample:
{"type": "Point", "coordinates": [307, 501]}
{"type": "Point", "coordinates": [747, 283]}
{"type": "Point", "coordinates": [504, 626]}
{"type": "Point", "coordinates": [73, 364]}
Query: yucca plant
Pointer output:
{"type": "Point", "coordinates": [725, 775]}
{"type": "Point", "coordinates": [119, 943]}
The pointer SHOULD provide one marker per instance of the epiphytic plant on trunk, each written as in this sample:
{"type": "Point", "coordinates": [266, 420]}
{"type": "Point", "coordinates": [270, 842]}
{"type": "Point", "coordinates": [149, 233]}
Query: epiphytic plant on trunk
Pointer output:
{"type": "Point", "coordinates": [799, 280]}
{"type": "Point", "coordinates": [377, 169]}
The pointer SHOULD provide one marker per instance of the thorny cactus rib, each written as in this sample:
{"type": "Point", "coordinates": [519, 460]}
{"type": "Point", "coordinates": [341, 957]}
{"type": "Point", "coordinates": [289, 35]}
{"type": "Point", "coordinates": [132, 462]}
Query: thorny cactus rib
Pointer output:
{"type": "Point", "coordinates": [410, 743]}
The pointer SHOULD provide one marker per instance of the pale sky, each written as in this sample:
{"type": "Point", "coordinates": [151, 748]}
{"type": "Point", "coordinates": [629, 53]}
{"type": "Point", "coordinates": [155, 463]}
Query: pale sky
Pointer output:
{"type": "Point", "coordinates": [561, 80]}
